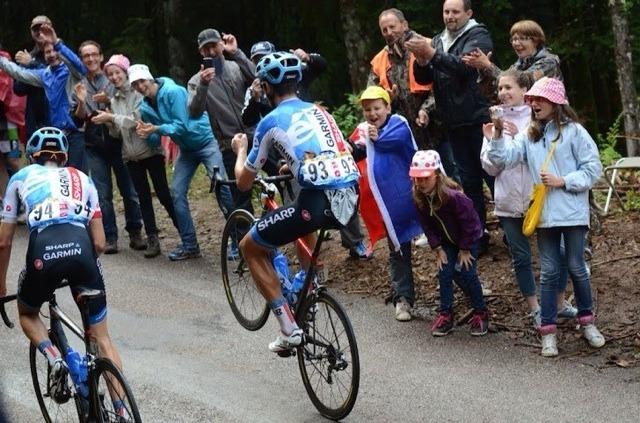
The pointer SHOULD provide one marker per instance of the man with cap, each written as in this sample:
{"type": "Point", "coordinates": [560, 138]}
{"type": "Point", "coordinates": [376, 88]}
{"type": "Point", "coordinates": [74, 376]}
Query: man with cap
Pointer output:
{"type": "Point", "coordinates": [37, 109]}
{"type": "Point", "coordinates": [164, 112]}
{"type": "Point", "coordinates": [219, 90]}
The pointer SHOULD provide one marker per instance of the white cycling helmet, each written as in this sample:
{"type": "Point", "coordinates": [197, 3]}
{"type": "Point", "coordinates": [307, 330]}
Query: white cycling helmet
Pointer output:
{"type": "Point", "coordinates": [425, 163]}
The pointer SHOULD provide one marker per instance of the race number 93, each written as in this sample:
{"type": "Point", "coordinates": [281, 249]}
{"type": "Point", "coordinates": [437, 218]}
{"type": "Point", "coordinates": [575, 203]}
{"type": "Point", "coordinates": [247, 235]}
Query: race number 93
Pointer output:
{"type": "Point", "coordinates": [325, 170]}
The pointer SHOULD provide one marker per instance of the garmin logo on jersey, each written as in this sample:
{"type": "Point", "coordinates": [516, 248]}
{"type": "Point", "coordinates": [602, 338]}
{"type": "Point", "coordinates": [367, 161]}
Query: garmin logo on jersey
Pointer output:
{"type": "Point", "coordinates": [73, 187]}
{"type": "Point", "coordinates": [324, 126]}
{"type": "Point", "coordinates": [276, 217]}
{"type": "Point", "coordinates": [62, 253]}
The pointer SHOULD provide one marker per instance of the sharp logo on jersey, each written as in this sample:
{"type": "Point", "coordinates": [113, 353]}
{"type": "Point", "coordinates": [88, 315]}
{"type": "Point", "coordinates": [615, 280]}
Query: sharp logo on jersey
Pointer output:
{"type": "Point", "coordinates": [276, 217]}
{"type": "Point", "coordinates": [61, 246]}
{"type": "Point", "coordinates": [76, 184]}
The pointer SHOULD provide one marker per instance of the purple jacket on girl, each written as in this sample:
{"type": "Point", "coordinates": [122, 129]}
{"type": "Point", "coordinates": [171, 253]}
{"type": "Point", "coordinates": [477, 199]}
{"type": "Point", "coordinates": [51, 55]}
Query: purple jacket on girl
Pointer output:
{"type": "Point", "coordinates": [456, 222]}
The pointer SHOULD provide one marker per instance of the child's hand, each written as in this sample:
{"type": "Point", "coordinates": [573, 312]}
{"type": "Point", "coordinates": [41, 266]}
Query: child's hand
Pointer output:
{"type": "Point", "coordinates": [465, 259]}
{"type": "Point", "coordinates": [373, 133]}
{"type": "Point", "coordinates": [509, 128]}
{"type": "Point", "coordinates": [441, 259]}
{"type": "Point", "coordinates": [423, 119]}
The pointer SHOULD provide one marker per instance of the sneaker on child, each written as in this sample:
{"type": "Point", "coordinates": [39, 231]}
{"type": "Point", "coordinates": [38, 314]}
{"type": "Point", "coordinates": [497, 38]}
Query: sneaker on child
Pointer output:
{"type": "Point", "coordinates": [479, 323]}
{"type": "Point", "coordinates": [567, 311]}
{"type": "Point", "coordinates": [286, 342]}
{"type": "Point", "coordinates": [536, 318]}
{"type": "Point", "coordinates": [421, 241]}
{"type": "Point", "coordinates": [549, 345]}
{"type": "Point", "coordinates": [443, 324]}
{"type": "Point", "coordinates": [403, 310]}
{"type": "Point", "coordinates": [590, 332]}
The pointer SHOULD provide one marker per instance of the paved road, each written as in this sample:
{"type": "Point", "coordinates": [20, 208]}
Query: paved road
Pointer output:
{"type": "Point", "coordinates": [189, 361]}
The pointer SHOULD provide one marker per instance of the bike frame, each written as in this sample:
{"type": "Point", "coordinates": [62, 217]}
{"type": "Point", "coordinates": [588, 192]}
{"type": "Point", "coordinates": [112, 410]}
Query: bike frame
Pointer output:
{"type": "Point", "coordinates": [268, 192]}
{"type": "Point", "coordinates": [57, 320]}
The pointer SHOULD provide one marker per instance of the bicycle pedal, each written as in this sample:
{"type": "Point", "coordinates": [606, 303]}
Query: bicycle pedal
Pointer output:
{"type": "Point", "coordinates": [287, 353]}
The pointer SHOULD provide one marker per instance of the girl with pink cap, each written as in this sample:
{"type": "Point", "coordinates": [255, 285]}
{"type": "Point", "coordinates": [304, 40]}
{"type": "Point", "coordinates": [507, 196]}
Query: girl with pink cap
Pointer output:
{"type": "Point", "coordinates": [453, 229]}
{"type": "Point", "coordinates": [141, 158]}
{"type": "Point", "coordinates": [573, 169]}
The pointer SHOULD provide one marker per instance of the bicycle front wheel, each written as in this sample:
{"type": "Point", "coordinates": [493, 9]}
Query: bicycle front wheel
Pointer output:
{"type": "Point", "coordinates": [53, 410]}
{"type": "Point", "coordinates": [328, 360]}
{"type": "Point", "coordinates": [112, 395]}
{"type": "Point", "coordinates": [246, 302]}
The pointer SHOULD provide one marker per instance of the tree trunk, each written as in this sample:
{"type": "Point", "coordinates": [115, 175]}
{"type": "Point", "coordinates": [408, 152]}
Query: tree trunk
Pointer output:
{"type": "Point", "coordinates": [628, 94]}
{"type": "Point", "coordinates": [175, 50]}
{"type": "Point", "coordinates": [355, 44]}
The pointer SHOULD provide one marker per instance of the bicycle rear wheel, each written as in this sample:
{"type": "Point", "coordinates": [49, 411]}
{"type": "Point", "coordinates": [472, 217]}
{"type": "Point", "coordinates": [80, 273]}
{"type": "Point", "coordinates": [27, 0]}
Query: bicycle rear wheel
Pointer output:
{"type": "Point", "coordinates": [328, 360]}
{"type": "Point", "coordinates": [112, 394]}
{"type": "Point", "coordinates": [246, 302]}
{"type": "Point", "coordinates": [52, 411]}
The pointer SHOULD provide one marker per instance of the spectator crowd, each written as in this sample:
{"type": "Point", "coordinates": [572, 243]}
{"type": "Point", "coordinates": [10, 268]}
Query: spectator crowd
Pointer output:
{"type": "Point", "coordinates": [443, 130]}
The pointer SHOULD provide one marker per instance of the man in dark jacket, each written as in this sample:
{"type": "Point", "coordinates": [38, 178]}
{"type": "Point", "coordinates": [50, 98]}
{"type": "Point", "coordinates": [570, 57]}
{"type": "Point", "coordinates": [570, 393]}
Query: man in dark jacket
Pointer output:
{"type": "Point", "coordinates": [459, 101]}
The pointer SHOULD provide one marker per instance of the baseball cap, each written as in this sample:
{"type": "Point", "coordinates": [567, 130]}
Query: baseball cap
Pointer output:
{"type": "Point", "coordinates": [425, 163]}
{"type": "Point", "coordinates": [550, 88]}
{"type": "Point", "coordinates": [374, 93]}
{"type": "Point", "coordinates": [137, 72]}
{"type": "Point", "coordinates": [39, 20]}
{"type": "Point", "coordinates": [118, 60]}
{"type": "Point", "coordinates": [261, 48]}
{"type": "Point", "coordinates": [208, 35]}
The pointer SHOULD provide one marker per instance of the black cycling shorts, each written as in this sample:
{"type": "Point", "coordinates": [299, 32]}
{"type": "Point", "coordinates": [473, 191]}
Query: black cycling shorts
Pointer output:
{"type": "Point", "coordinates": [307, 213]}
{"type": "Point", "coordinates": [56, 253]}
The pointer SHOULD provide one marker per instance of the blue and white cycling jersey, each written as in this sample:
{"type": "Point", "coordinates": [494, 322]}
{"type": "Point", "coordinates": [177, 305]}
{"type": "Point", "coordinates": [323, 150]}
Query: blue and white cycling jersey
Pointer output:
{"type": "Point", "coordinates": [52, 196]}
{"type": "Point", "coordinates": [309, 139]}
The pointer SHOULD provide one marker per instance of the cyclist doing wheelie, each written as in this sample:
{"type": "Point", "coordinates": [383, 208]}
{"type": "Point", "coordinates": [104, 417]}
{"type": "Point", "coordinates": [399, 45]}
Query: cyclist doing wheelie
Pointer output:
{"type": "Point", "coordinates": [309, 139]}
{"type": "Point", "coordinates": [66, 237]}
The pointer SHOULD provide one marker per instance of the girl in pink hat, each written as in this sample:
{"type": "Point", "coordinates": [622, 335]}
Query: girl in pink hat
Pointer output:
{"type": "Point", "coordinates": [453, 229]}
{"type": "Point", "coordinates": [573, 169]}
{"type": "Point", "coordinates": [141, 158]}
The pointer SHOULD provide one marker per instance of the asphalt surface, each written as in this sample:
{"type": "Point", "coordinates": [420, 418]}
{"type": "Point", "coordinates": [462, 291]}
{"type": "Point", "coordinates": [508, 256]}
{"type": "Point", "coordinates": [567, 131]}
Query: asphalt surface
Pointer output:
{"type": "Point", "coordinates": [188, 360]}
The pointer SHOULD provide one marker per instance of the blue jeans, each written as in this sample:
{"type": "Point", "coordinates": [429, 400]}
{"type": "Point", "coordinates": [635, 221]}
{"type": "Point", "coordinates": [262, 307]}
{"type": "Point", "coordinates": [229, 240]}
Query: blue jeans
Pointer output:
{"type": "Point", "coordinates": [401, 273]}
{"type": "Point", "coordinates": [101, 166]}
{"type": "Point", "coordinates": [467, 280]}
{"type": "Point", "coordinates": [77, 155]}
{"type": "Point", "coordinates": [551, 263]}
{"type": "Point", "coordinates": [466, 143]}
{"type": "Point", "coordinates": [184, 169]}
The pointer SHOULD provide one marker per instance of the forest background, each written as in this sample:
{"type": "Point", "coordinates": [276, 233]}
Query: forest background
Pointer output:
{"type": "Point", "coordinates": [162, 34]}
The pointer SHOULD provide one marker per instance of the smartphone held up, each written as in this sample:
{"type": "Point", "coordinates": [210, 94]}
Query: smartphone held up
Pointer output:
{"type": "Point", "coordinates": [213, 62]}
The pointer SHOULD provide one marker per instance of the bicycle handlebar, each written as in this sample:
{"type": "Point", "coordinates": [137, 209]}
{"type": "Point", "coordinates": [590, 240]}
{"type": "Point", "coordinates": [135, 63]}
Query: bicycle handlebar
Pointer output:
{"type": "Point", "coordinates": [218, 179]}
{"type": "Point", "coordinates": [9, 298]}
{"type": "Point", "coordinates": [3, 312]}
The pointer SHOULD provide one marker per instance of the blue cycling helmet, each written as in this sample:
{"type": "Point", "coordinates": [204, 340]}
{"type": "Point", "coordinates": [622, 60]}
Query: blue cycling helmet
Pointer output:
{"type": "Point", "coordinates": [277, 67]}
{"type": "Point", "coordinates": [48, 140]}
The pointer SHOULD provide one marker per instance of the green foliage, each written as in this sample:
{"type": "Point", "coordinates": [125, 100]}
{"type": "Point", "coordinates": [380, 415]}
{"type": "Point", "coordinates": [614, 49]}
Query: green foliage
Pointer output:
{"type": "Point", "coordinates": [607, 143]}
{"type": "Point", "coordinates": [348, 115]}
{"type": "Point", "coordinates": [632, 200]}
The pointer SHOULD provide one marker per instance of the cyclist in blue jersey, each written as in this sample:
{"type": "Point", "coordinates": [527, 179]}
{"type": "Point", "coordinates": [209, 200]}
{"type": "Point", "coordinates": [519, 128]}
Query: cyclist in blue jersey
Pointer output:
{"type": "Point", "coordinates": [66, 237]}
{"type": "Point", "coordinates": [309, 139]}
